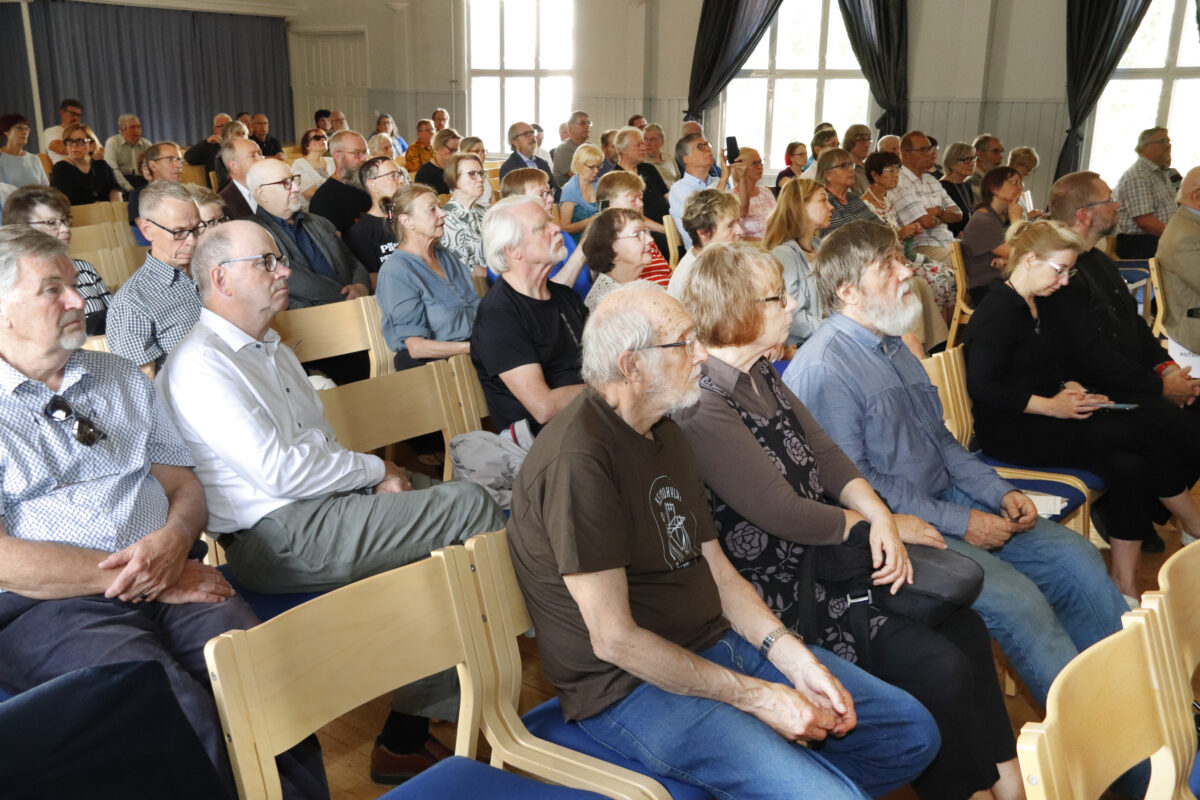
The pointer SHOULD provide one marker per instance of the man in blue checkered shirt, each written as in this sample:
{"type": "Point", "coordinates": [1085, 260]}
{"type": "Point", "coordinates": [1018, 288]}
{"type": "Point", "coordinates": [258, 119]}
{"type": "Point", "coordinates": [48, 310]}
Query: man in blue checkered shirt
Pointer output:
{"type": "Point", "coordinates": [100, 513]}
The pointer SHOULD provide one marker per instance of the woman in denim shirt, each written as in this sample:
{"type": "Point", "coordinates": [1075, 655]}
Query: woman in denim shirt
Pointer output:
{"type": "Point", "coordinates": [426, 294]}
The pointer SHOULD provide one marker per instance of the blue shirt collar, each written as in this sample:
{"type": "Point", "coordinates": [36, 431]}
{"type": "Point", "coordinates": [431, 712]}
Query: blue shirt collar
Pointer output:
{"type": "Point", "coordinates": [12, 379]}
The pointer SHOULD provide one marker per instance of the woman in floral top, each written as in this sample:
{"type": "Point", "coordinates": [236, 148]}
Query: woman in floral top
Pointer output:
{"type": "Point", "coordinates": [464, 214]}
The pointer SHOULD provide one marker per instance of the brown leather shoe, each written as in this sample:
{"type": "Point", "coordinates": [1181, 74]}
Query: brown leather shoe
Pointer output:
{"type": "Point", "coordinates": [392, 768]}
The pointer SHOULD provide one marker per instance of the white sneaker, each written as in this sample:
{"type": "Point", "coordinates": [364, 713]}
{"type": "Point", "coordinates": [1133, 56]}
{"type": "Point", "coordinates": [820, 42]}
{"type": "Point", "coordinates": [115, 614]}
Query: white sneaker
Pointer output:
{"type": "Point", "coordinates": [1185, 538]}
{"type": "Point", "coordinates": [1132, 602]}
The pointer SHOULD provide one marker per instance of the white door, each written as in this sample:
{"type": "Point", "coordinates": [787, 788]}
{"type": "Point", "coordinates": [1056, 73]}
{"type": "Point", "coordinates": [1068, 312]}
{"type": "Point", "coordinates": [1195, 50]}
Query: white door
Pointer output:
{"type": "Point", "coordinates": [329, 70]}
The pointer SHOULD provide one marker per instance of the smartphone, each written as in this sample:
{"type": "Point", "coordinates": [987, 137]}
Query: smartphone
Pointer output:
{"type": "Point", "coordinates": [1118, 407]}
{"type": "Point", "coordinates": [732, 151]}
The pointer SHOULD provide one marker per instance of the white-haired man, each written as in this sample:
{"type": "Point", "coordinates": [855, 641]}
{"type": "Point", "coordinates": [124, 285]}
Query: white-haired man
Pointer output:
{"type": "Point", "coordinates": [526, 340]}
{"type": "Point", "coordinates": [123, 150]}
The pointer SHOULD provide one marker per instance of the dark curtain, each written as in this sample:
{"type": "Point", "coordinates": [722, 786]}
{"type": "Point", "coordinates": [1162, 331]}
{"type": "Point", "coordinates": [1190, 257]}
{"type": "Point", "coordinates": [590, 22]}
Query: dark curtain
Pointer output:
{"type": "Point", "coordinates": [174, 69]}
{"type": "Point", "coordinates": [16, 96]}
{"type": "Point", "coordinates": [1097, 35]}
{"type": "Point", "coordinates": [878, 31]}
{"type": "Point", "coordinates": [729, 31]}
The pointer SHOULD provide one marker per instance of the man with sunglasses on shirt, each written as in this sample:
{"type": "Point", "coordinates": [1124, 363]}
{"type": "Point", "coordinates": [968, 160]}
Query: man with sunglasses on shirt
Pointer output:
{"type": "Point", "coordinates": [101, 514]}
{"type": "Point", "coordinates": [158, 305]}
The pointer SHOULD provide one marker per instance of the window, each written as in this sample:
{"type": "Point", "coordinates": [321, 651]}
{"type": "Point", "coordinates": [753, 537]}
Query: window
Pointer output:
{"type": "Point", "coordinates": [1156, 83]}
{"type": "Point", "coordinates": [520, 61]}
{"type": "Point", "coordinates": [802, 72]}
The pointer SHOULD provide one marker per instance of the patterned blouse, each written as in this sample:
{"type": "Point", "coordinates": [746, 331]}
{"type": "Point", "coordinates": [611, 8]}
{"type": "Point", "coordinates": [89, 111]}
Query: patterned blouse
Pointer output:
{"type": "Point", "coordinates": [463, 232]}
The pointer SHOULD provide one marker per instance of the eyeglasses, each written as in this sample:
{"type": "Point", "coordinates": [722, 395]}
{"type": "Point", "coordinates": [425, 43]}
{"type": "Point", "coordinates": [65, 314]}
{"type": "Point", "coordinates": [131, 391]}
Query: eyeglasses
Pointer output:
{"type": "Point", "coordinates": [1059, 269]}
{"type": "Point", "coordinates": [175, 160]}
{"type": "Point", "coordinates": [642, 234]}
{"type": "Point", "coordinates": [688, 344]}
{"type": "Point", "coordinates": [82, 428]}
{"type": "Point", "coordinates": [395, 174]}
{"type": "Point", "coordinates": [1159, 141]}
{"type": "Point", "coordinates": [473, 173]}
{"type": "Point", "coordinates": [19, 129]}
{"type": "Point", "coordinates": [52, 224]}
{"type": "Point", "coordinates": [893, 170]}
{"type": "Point", "coordinates": [780, 298]}
{"type": "Point", "coordinates": [180, 234]}
{"type": "Point", "coordinates": [969, 158]}
{"type": "Point", "coordinates": [1109, 201]}
{"type": "Point", "coordinates": [212, 223]}
{"type": "Point", "coordinates": [844, 165]}
{"type": "Point", "coordinates": [359, 153]}
{"type": "Point", "coordinates": [595, 165]}
{"type": "Point", "coordinates": [926, 149]}
{"type": "Point", "coordinates": [523, 133]}
{"type": "Point", "coordinates": [69, 142]}
{"type": "Point", "coordinates": [267, 262]}
{"type": "Point", "coordinates": [287, 183]}
{"type": "Point", "coordinates": [544, 192]}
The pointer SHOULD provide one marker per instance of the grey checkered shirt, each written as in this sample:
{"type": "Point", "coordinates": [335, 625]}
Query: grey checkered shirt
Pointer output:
{"type": "Point", "coordinates": [152, 312]}
{"type": "Point", "coordinates": [1145, 188]}
{"type": "Point", "coordinates": [54, 489]}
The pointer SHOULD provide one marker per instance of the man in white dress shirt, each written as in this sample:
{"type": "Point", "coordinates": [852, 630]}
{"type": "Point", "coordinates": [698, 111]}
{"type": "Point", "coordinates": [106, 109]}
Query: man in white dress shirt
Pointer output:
{"type": "Point", "coordinates": [296, 511]}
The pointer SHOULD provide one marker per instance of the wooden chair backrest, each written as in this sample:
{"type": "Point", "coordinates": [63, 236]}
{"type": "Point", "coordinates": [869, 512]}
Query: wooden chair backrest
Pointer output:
{"type": "Point", "coordinates": [1160, 299]}
{"type": "Point", "coordinates": [97, 343]}
{"type": "Point", "coordinates": [1081, 747]}
{"type": "Point", "coordinates": [194, 173]}
{"type": "Point", "coordinates": [472, 404]}
{"type": "Point", "coordinates": [674, 241]}
{"type": "Point", "coordinates": [962, 301]}
{"type": "Point", "coordinates": [99, 236]}
{"type": "Point", "coordinates": [91, 214]}
{"type": "Point", "coordinates": [284, 679]}
{"type": "Point", "coordinates": [333, 329]}
{"type": "Point", "coordinates": [935, 368]}
{"type": "Point", "coordinates": [47, 164]}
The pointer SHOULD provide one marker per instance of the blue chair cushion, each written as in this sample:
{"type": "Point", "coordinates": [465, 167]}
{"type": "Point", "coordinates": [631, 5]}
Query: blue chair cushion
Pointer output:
{"type": "Point", "coordinates": [1073, 497]}
{"type": "Point", "coordinates": [546, 721]}
{"type": "Point", "coordinates": [458, 777]}
{"type": "Point", "coordinates": [1090, 479]}
{"type": "Point", "coordinates": [267, 605]}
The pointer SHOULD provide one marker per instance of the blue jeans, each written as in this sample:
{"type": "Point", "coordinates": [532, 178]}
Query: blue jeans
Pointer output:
{"type": "Point", "coordinates": [735, 756]}
{"type": "Point", "coordinates": [1046, 596]}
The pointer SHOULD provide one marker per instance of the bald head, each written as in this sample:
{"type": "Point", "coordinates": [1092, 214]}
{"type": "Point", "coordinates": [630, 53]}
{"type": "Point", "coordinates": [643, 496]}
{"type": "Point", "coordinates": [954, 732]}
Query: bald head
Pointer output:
{"type": "Point", "coordinates": [223, 243]}
{"type": "Point", "coordinates": [889, 144]}
{"type": "Point", "coordinates": [241, 275]}
{"type": "Point", "coordinates": [1189, 190]}
{"type": "Point", "coordinates": [239, 155]}
{"type": "Point", "coordinates": [269, 181]}
{"type": "Point", "coordinates": [691, 126]}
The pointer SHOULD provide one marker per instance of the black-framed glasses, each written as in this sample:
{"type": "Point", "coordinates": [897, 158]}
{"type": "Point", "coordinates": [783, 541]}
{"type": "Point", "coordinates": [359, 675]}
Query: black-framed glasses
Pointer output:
{"type": "Point", "coordinates": [844, 165]}
{"type": "Point", "coordinates": [926, 149]}
{"type": "Point", "coordinates": [287, 183]}
{"type": "Point", "coordinates": [267, 262]}
{"type": "Point", "coordinates": [205, 224]}
{"type": "Point", "coordinates": [176, 160]}
{"type": "Point", "coordinates": [76, 141]}
{"type": "Point", "coordinates": [53, 224]}
{"type": "Point", "coordinates": [83, 429]}
{"type": "Point", "coordinates": [177, 235]}
{"type": "Point", "coordinates": [1111, 200]}
{"type": "Point", "coordinates": [688, 344]}
{"type": "Point", "coordinates": [395, 175]}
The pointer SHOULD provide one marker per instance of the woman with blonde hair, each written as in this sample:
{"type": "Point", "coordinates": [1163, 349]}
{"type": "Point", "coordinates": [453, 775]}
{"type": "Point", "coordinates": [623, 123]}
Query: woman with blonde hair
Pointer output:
{"type": "Point", "coordinates": [475, 146]}
{"type": "Point", "coordinates": [1029, 410]}
{"type": "Point", "coordinates": [577, 203]}
{"type": "Point", "coordinates": [802, 210]}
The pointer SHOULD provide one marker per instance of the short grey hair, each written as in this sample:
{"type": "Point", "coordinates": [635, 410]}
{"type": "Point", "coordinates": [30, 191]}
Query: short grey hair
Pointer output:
{"type": "Point", "coordinates": [24, 241]}
{"type": "Point", "coordinates": [213, 247]}
{"type": "Point", "coordinates": [125, 119]}
{"type": "Point", "coordinates": [612, 330]}
{"type": "Point", "coordinates": [957, 152]}
{"type": "Point", "coordinates": [501, 231]}
{"type": "Point", "coordinates": [155, 194]}
{"type": "Point", "coordinates": [683, 148]}
{"type": "Point", "coordinates": [654, 126]}
{"type": "Point", "coordinates": [845, 255]}
{"type": "Point", "coordinates": [336, 141]}
{"type": "Point", "coordinates": [575, 117]}
{"type": "Point", "coordinates": [625, 137]}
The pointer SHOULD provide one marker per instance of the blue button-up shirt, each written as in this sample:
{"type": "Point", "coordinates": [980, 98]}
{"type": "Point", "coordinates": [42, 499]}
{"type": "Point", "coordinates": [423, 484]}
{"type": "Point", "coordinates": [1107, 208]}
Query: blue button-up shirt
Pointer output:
{"type": "Point", "coordinates": [680, 191]}
{"type": "Point", "coordinates": [872, 395]}
{"type": "Point", "coordinates": [54, 489]}
{"type": "Point", "coordinates": [304, 240]}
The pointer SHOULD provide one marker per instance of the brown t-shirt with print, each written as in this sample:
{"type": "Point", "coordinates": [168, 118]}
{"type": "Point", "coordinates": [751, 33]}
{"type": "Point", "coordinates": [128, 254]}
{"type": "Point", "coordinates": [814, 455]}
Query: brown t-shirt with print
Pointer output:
{"type": "Point", "coordinates": [595, 495]}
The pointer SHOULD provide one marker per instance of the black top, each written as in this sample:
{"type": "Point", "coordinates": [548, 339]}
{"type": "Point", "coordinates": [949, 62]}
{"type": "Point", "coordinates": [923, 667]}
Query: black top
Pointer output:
{"type": "Point", "coordinates": [372, 240]}
{"type": "Point", "coordinates": [960, 193]}
{"type": "Point", "coordinates": [80, 188]}
{"type": "Point", "coordinates": [340, 204]}
{"type": "Point", "coordinates": [434, 176]}
{"type": "Point", "coordinates": [512, 330]}
{"type": "Point", "coordinates": [1094, 324]}
{"type": "Point", "coordinates": [204, 154]}
{"type": "Point", "coordinates": [269, 146]}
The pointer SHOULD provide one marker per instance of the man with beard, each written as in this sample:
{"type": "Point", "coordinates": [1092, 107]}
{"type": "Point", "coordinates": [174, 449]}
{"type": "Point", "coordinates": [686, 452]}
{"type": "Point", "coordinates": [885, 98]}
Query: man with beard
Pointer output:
{"type": "Point", "coordinates": [640, 616]}
{"type": "Point", "coordinates": [341, 199]}
{"type": "Point", "coordinates": [1046, 594]}
{"type": "Point", "coordinates": [526, 340]}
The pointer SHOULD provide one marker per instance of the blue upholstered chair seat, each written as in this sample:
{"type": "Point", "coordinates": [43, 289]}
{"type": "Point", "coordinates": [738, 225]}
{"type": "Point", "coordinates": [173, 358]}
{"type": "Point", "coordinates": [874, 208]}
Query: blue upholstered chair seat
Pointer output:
{"type": "Point", "coordinates": [458, 778]}
{"type": "Point", "coordinates": [267, 605]}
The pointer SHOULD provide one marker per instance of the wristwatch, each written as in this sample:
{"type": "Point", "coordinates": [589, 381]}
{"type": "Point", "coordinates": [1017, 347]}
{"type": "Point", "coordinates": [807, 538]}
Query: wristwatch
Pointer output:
{"type": "Point", "coordinates": [774, 636]}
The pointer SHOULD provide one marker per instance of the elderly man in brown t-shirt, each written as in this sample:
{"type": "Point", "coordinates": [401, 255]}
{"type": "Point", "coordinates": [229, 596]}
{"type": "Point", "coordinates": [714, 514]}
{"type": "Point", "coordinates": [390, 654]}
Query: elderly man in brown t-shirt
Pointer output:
{"type": "Point", "coordinates": [656, 646]}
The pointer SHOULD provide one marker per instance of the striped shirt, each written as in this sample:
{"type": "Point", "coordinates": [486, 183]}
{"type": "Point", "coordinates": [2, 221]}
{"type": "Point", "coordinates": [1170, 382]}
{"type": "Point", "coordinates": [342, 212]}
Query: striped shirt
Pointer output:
{"type": "Point", "coordinates": [95, 296]}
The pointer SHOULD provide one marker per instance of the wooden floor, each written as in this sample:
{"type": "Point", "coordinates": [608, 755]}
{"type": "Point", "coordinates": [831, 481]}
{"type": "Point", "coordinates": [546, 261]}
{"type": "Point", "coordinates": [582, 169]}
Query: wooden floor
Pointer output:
{"type": "Point", "coordinates": [347, 742]}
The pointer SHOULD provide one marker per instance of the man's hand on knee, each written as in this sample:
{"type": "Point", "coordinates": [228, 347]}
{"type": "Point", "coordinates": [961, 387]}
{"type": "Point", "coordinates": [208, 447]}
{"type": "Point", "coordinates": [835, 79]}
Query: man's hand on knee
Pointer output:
{"type": "Point", "coordinates": [1019, 509]}
{"type": "Point", "coordinates": [988, 530]}
{"type": "Point", "coordinates": [149, 566]}
{"type": "Point", "coordinates": [198, 583]}
{"type": "Point", "coordinates": [394, 480]}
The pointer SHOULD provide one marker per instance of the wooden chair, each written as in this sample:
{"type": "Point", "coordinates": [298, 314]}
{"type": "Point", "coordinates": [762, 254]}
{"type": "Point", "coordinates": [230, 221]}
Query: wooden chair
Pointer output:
{"type": "Point", "coordinates": [1081, 747]}
{"type": "Point", "coordinates": [505, 618]}
{"type": "Point", "coordinates": [194, 173]}
{"type": "Point", "coordinates": [674, 240]}
{"type": "Point", "coordinates": [443, 199]}
{"type": "Point", "coordinates": [89, 238]}
{"type": "Point", "coordinates": [962, 303]}
{"type": "Point", "coordinates": [98, 344]}
{"type": "Point", "coordinates": [91, 214]}
{"type": "Point", "coordinates": [333, 329]}
{"type": "Point", "coordinates": [47, 164]}
{"type": "Point", "coordinates": [371, 414]}
{"type": "Point", "coordinates": [1160, 304]}
{"type": "Point", "coordinates": [118, 264]}
{"type": "Point", "coordinates": [481, 284]}
{"type": "Point", "coordinates": [123, 234]}
{"type": "Point", "coordinates": [213, 183]}
{"type": "Point", "coordinates": [286, 678]}
{"type": "Point", "coordinates": [471, 403]}
{"type": "Point", "coordinates": [383, 358]}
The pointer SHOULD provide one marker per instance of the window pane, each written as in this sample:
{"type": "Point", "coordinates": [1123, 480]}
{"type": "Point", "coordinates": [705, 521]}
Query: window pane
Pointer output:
{"type": "Point", "coordinates": [520, 36]}
{"type": "Point", "coordinates": [1185, 145]}
{"type": "Point", "coordinates": [485, 109]}
{"type": "Point", "coordinates": [838, 52]}
{"type": "Point", "coordinates": [558, 34]}
{"type": "Point", "coordinates": [518, 100]}
{"type": "Point", "coordinates": [846, 102]}
{"type": "Point", "coordinates": [1126, 108]}
{"type": "Point", "coordinates": [1149, 45]}
{"type": "Point", "coordinates": [795, 104]}
{"type": "Point", "coordinates": [799, 34]}
{"type": "Point", "coordinates": [554, 107]}
{"type": "Point", "coordinates": [485, 39]}
{"type": "Point", "coordinates": [758, 59]}
{"type": "Point", "coordinates": [1189, 48]}
{"type": "Point", "coordinates": [745, 113]}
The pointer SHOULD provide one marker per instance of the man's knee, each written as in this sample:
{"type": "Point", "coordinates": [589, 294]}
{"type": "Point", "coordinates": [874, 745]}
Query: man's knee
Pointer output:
{"type": "Point", "coordinates": [481, 511]}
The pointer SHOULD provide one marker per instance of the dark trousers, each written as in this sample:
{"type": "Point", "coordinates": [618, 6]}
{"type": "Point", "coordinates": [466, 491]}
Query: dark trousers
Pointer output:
{"type": "Point", "coordinates": [43, 639]}
{"type": "Point", "coordinates": [1136, 245]}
